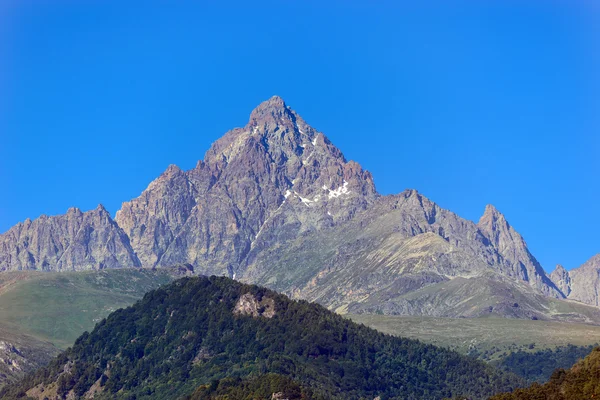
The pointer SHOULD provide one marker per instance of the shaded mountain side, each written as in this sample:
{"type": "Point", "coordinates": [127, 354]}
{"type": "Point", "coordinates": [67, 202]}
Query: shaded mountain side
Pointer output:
{"type": "Point", "coordinates": [21, 353]}
{"type": "Point", "coordinates": [582, 381]}
{"type": "Point", "coordinates": [198, 330]}
{"type": "Point", "coordinates": [540, 365]}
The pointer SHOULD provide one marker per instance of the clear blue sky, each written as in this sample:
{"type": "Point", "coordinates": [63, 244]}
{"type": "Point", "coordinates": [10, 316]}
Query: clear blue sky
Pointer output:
{"type": "Point", "coordinates": [471, 103]}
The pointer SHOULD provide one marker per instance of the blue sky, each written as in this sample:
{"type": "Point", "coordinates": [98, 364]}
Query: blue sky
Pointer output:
{"type": "Point", "coordinates": [470, 103]}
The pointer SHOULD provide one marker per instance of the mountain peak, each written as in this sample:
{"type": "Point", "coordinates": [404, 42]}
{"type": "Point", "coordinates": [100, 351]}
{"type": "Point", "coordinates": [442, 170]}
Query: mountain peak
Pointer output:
{"type": "Point", "coordinates": [562, 279]}
{"type": "Point", "coordinates": [492, 211]}
{"type": "Point", "coordinates": [273, 109]}
{"type": "Point", "coordinates": [494, 223]}
{"type": "Point", "coordinates": [559, 268]}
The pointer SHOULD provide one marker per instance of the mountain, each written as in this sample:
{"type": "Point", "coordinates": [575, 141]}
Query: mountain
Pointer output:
{"type": "Point", "coordinates": [276, 203]}
{"type": "Point", "coordinates": [207, 331]}
{"type": "Point", "coordinates": [582, 381]}
{"type": "Point", "coordinates": [74, 241]}
{"type": "Point", "coordinates": [581, 283]}
{"type": "Point", "coordinates": [214, 215]}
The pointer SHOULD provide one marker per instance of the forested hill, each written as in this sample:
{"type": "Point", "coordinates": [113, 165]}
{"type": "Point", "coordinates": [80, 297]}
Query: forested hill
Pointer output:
{"type": "Point", "coordinates": [580, 382]}
{"type": "Point", "coordinates": [210, 331]}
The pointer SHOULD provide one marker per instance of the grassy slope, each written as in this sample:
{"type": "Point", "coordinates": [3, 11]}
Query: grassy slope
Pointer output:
{"type": "Point", "coordinates": [488, 338]}
{"type": "Point", "coordinates": [59, 307]}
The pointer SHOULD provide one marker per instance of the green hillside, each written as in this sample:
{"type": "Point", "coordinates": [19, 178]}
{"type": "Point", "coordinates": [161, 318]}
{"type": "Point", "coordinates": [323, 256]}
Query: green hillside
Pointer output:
{"type": "Point", "coordinates": [580, 382]}
{"type": "Point", "coordinates": [200, 331]}
{"type": "Point", "coordinates": [58, 307]}
{"type": "Point", "coordinates": [42, 313]}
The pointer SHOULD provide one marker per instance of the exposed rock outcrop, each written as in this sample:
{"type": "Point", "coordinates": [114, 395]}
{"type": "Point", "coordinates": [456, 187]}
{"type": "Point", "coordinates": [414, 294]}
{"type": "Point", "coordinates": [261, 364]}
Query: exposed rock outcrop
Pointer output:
{"type": "Point", "coordinates": [585, 281]}
{"type": "Point", "coordinates": [562, 280]}
{"type": "Point", "coordinates": [248, 304]}
{"type": "Point", "coordinates": [74, 241]}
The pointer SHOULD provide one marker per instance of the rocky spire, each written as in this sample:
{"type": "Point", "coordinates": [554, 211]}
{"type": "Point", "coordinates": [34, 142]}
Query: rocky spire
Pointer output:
{"type": "Point", "coordinates": [562, 280]}
{"type": "Point", "coordinates": [512, 247]}
{"type": "Point", "coordinates": [500, 233]}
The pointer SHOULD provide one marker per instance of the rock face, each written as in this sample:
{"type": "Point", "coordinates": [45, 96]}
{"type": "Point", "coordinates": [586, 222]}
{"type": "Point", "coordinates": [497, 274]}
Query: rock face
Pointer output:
{"type": "Point", "coordinates": [74, 241]}
{"type": "Point", "coordinates": [562, 280]}
{"type": "Point", "coordinates": [213, 215]}
{"type": "Point", "coordinates": [276, 203]}
{"type": "Point", "coordinates": [248, 304]}
{"type": "Point", "coordinates": [512, 248]}
{"type": "Point", "coordinates": [582, 283]}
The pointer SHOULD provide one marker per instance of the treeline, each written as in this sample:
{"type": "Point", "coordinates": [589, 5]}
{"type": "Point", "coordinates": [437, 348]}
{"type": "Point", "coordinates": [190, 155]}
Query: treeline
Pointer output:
{"type": "Point", "coordinates": [185, 335]}
{"type": "Point", "coordinates": [580, 382]}
{"type": "Point", "coordinates": [539, 366]}
{"type": "Point", "coordinates": [267, 386]}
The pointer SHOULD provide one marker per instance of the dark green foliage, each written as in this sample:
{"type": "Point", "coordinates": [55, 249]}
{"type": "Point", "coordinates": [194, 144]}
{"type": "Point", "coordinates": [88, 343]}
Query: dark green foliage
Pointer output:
{"type": "Point", "coordinates": [185, 335]}
{"type": "Point", "coordinates": [261, 387]}
{"type": "Point", "coordinates": [539, 366]}
{"type": "Point", "coordinates": [581, 382]}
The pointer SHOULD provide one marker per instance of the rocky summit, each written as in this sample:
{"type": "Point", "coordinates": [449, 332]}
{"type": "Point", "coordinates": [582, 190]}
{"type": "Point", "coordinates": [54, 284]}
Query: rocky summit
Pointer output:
{"type": "Point", "coordinates": [276, 203]}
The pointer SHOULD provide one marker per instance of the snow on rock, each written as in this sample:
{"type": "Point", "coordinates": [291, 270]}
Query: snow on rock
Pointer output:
{"type": "Point", "coordinates": [306, 201]}
{"type": "Point", "coordinates": [339, 191]}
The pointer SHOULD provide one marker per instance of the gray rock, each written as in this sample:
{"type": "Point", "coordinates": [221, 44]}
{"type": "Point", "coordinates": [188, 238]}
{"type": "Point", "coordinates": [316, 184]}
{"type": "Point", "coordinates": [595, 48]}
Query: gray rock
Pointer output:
{"type": "Point", "coordinates": [581, 283]}
{"type": "Point", "coordinates": [74, 241]}
{"type": "Point", "coordinates": [276, 203]}
{"type": "Point", "coordinates": [562, 280]}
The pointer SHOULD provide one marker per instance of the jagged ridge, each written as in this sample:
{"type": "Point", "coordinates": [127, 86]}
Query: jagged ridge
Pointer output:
{"type": "Point", "coordinates": [276, 202]}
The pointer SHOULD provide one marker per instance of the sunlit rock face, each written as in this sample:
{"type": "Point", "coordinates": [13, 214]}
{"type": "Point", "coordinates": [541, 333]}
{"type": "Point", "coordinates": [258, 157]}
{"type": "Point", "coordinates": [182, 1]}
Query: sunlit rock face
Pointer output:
{"type": "Point", "coordinates": [276, 203]}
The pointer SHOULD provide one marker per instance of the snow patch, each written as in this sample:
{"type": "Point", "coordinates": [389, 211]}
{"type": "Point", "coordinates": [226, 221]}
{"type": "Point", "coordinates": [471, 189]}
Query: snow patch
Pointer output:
{"type": "Point", "coordinates": [314, 142]}
{"type": "Point", "coordinates": [339, 191]}
{"type": "Point", "coordinates": [307, 202]}
{"type": "Point", "coordinates": [287, 194]}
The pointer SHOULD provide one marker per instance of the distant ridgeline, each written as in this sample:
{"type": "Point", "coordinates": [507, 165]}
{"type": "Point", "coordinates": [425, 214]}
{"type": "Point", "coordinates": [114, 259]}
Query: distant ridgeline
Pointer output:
{"type": "Point", "coordinates": [580, 382]}
{"type": "Point", "coordinates": [205, 337]}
